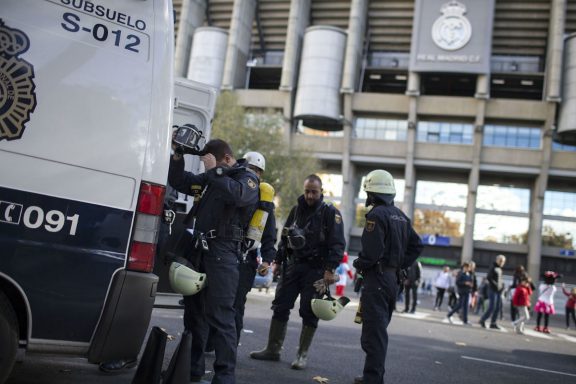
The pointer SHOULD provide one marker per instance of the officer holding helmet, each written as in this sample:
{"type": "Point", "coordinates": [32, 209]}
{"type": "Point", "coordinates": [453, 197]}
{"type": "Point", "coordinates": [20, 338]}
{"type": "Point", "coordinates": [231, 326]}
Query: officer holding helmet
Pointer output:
{"type": "Point", "coordinates": [389, 244]}
{"type": "Point", "coordinates": [226, 197]}
{"type": "Point", "coordinates": [311, 247]}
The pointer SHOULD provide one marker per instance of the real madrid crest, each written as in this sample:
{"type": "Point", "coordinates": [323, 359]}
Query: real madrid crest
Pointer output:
{"type": "Point", "coordinates": [452, 30]}
{"type": "Point", "coordinates": [17, 97]}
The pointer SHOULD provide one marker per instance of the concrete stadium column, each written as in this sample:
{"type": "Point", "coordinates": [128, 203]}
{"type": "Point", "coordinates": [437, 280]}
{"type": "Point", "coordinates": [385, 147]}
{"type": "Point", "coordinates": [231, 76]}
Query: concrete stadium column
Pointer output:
{"type": "Point", "coordinates": [239, 40]}
{"type": "Point", "coordinates": [482, 94]}
{"type": "Point", "coordinates": [348, 208]}
{"type": "Point", "coordinates": [298, 21]}
{"type": "Point", "coordinates": [352, 60]}
{"type": "Point", "coordinates": [537, 197]}
{"type": "Point", "coordinates": [192, 15]}
{"type": "Point", "coordinates": [413, 92]}
{"type": "Point", "coordinates": [555, 50]}
{"type": "Point", "coordinates": [354, 44]}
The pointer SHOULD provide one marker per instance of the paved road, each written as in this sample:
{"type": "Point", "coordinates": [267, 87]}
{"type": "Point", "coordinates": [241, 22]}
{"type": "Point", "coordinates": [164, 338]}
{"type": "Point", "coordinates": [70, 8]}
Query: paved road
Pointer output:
{"type": "Point", "coordinates": [424, 348]}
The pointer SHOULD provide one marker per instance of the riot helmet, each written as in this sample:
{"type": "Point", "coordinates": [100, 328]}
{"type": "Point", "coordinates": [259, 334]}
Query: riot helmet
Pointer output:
{"type": "Point", "coordinates": [326, 308]}
{"type": "Point", "coordinates": [379, 181]}
{"type": "Point", "coordinates": [185, 280]}
{"type": "Point", "coordinates": [256, 159]}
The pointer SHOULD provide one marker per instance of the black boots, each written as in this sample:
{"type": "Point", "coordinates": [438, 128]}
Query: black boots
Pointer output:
{"type": "Point", "coordinates": [275, 341]}
{"type": "Point", "coordinates": [305, 340]}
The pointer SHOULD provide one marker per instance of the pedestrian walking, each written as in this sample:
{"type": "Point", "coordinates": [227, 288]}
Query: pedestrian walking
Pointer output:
{"type": "Point", "coordinates": [519, 274]}
{"type": "Point", "coordinates": [482, 296]}
{"type": "Point", "coordinates": [464, 286]}
{"type": "Point", "coordinates": [411, 284]}
{"type": "Point", "coordinates": [521, 300]}
{"type": "Point", "coordinates": [570, 306]}
{"type": "Point", "coordinates": [442, 282]}
{"type": "Point", "coordinates": [495, 289]}
{"type": "Point", "coordinates": [545, 305]}
{"type": "Point", "coordinates": [389, 244]}
{"type": "Point", "coordinates": [310, 249]}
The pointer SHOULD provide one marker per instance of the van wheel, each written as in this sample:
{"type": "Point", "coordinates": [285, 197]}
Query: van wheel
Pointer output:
{"type": "Point", "coordinates": [9, 337]}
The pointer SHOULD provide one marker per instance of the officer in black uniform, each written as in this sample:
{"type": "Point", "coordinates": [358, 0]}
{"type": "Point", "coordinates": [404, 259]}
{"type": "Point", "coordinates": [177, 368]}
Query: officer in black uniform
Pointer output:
{"type": "Point", "coordinates": [249, 265]}
{"type": "Point", "coordinates": [311, 247]}
{"type": "Point", "coordinates": [228, 196]}
{"type": "Point", "coordinates": [256, 162]}
{"type": "Point", "coordinates": [389, 244]}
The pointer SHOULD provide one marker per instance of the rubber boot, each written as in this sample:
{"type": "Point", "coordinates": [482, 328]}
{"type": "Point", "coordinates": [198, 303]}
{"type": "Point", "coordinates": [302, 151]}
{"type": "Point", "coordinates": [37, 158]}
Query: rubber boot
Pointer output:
{"type": "Point", "coordinates": [275, 341]}
{"type": "Point", "coordinates": [306, 337]}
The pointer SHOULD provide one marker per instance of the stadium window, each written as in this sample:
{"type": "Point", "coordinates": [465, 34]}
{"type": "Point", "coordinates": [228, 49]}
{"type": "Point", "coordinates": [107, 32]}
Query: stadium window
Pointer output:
{"type": "Point", "coordinates": [444, 132]}
{"type": "Point", "coordinates": [512, 136]}
{"type": "Point", "coordinates": [563, 147]}
{"type": "Point", "coordinates": [380, 129]}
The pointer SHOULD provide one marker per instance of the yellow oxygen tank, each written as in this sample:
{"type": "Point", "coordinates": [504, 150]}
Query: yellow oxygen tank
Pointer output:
{"type": "Point", "coordinates": [258, 221]}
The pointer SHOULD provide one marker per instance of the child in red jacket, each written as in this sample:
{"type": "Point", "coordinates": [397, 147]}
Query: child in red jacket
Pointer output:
{"type": "Point", "coordinates": [570, 305]}
{"type": "Point", "coordinates": [521, 300]}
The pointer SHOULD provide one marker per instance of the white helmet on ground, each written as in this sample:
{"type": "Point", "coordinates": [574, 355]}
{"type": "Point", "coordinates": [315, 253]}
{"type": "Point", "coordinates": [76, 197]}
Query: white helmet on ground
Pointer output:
{"type": "Point", "coordinates": [185, 280]}
{"type": "Point", "coordinates": [256, 159]}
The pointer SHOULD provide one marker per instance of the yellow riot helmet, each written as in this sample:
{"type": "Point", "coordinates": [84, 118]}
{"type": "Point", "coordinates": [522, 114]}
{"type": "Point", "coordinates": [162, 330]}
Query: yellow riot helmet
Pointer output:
{"type": "Point", "coordinates": [379, 181]}
{"type": "Point", "coordinates": [185, 280]}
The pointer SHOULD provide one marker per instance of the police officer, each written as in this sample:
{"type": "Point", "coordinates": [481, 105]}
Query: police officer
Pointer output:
{"type": "Point", "coordinates": [255, 162]}
{"type": "Point", "coordinates": [249, 265]}
{"type": "Point", "coordinates": [227, 194]}
{"type": "Point", "coordinates": [310, 249]}
{"type": "Point", "coordinates": [389, 243]}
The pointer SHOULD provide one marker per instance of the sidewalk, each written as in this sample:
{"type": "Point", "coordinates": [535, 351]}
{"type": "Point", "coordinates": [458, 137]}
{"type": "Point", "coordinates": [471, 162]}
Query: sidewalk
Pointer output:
{"type": "Point", "coordinates": [426, 305]}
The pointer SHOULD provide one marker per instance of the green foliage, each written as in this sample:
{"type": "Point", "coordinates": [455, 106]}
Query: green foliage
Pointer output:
{"type": "Point", "coordinates": [552, 239]}
{"type": "Point", "coordinates": [262, 131]}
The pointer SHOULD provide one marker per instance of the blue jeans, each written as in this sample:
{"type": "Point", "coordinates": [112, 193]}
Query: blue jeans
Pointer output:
{"type": "Point", "coordinates": [463, 302]}
{"type": "Point", "coordinates": [495, 301]}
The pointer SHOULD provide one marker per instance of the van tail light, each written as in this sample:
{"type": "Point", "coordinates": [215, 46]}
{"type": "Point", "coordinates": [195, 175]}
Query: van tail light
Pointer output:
{"type": "Point", "coordinates": [145, 236]}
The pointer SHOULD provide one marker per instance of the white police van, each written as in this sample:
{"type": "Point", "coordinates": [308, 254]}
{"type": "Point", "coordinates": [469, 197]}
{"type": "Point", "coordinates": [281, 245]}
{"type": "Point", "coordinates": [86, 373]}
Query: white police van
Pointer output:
{"type": "Point", "coordinates": [86, 99]}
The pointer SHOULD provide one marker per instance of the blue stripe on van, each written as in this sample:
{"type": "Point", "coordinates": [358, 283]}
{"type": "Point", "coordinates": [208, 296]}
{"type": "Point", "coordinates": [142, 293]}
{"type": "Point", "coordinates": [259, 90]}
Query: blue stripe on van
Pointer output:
{"type": "Point", "coordinates": [63, 254]}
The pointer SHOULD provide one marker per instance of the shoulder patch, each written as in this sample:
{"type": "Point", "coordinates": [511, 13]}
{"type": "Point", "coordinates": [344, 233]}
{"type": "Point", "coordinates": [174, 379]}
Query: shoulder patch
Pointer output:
{"type": "Point", "coordinates": [370, 225]}
{"type": "Point", "coordinates": [338, 219]}
{"type": "Point", "coordinates": [252, 184]}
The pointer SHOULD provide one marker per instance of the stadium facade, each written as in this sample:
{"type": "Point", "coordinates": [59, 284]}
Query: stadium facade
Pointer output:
{"type": "Point", "coordinates": [470, 104]}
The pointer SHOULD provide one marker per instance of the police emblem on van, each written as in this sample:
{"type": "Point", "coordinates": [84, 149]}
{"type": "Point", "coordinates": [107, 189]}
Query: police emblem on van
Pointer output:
{"type": "Point", "coordinates": [17, 96]}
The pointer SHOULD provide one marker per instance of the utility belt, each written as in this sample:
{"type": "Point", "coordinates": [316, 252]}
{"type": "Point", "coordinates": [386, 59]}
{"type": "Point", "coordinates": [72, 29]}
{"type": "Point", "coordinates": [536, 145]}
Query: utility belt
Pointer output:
{"type": "Point", "coordinates": [380, 268]}
{"type": "Point", "coordinates": [311, 260]}
{"type": "Point", "coordinates": [230, 232]}
{"type": "Point", "coordinates": [191, 244]}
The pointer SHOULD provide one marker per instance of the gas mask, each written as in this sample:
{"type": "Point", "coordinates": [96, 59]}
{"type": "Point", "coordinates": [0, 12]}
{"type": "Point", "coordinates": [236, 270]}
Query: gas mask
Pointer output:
{"type": "Point", "coordinates": [296, 238]}
{"type": "Point", "coordinates": [190, 140]}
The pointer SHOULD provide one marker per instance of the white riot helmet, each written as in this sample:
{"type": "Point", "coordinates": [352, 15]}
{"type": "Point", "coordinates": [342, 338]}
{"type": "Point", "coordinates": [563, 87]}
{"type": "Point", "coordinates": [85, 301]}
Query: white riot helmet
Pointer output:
{"type": "Point", "coordinates": [185, 280]}
{"type": "Point", "coordinates": [327, 308]}
{"type": "Point", "coordinates": [256, 159]}
{"type": "Point", "coordinates": [379, 181]}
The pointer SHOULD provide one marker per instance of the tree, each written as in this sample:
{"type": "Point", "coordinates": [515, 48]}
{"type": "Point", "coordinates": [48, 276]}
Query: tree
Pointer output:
{"type": "Point", "coordinates": [261, 131]}
{"type": "Point", "coordinates": [552, 239]}
{"type": "Point", "coordinates": [433, 222]}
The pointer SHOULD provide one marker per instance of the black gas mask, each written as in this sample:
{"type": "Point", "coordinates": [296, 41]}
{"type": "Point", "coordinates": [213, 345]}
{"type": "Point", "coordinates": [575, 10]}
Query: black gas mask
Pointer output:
{"type": "Point", "coordinates": [189, 140]}
{"type": "Point", "coordinates": [296, 238]}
